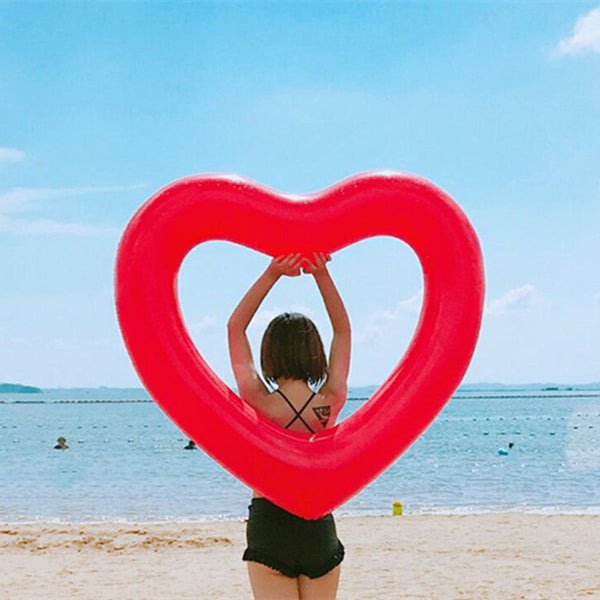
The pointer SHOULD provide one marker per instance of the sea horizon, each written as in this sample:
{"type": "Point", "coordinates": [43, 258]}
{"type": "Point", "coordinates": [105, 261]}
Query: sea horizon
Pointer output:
{"type": "Point", "coordinates": [353, 391]}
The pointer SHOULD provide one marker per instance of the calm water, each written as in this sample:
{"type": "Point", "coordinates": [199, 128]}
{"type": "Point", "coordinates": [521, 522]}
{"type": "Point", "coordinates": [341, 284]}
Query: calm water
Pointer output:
{"type": "Point", "coordinates": [126, 460]}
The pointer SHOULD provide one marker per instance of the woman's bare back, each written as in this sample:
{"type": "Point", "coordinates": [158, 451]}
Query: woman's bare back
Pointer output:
{"type": "Point", "coordinates": [297, 408]}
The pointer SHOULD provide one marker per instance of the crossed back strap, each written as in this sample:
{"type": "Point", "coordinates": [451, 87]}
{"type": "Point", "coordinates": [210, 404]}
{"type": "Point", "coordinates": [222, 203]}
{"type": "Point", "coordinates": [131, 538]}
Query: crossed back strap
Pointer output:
{"type": "Point", "coordinates": [298, 413]}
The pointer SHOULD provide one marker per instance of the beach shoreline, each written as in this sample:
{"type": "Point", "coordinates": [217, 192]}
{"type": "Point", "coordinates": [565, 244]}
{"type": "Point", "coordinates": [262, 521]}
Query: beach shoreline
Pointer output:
{"type": "Point", "coordinates": [408, 511]}
{"type": "Point", "coordinates": [496, 556]}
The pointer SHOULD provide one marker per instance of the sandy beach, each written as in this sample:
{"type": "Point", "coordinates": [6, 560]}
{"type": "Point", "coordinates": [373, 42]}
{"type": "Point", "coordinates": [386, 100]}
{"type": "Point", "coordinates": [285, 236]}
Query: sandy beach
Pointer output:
{"type": "Point", "coordinates": [493, 556]}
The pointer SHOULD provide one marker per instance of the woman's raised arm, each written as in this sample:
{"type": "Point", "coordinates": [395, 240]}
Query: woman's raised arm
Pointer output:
{"type": "Point", "coordinates": [250, 385]}
{"type": "Point", "coordinates": [339, 354]}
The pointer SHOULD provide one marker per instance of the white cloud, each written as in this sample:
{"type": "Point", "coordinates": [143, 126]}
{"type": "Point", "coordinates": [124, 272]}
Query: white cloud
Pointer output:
{"type": "Point", "coordinates": [410, 305]}
{"type": "Point", "coordinates": [11, 155]}
{"type": "Point", "coordinates": [585, 37]}
{"type": "Point", "coordinates": [48, 226]}
{"type": "Point", "coordinates": [383, 322]}
{"type": "Point", "coordinates": [516, 299]}
{"type": "Point", "coordinates": [19, 200]}
{"type": "Point", "coordinates": [205, 324]}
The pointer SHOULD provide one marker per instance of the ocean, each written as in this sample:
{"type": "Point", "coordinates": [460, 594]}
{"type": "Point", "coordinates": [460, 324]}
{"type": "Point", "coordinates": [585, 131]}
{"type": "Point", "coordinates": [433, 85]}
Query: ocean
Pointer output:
{"type": "Point", "coordinates": [126, 460]}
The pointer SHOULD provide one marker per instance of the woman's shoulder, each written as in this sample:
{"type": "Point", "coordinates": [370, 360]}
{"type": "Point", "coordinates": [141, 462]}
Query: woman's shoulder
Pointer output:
{"type": "Point", "coordinates": [259, 399]}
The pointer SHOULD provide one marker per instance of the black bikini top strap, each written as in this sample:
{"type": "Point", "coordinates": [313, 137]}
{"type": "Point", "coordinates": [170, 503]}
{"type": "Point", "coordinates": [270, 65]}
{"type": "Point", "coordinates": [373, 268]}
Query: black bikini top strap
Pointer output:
{"type": "Point", "coordinates": [298, 413]}
{"type": "Point", "coordinates": [286, 399]}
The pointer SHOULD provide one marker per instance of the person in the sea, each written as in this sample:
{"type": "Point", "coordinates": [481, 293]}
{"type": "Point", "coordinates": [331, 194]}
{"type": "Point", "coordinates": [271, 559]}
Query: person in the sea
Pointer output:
{"type": "Point", "coordinates": [61, 444]}
{"type": "Point", "coordinates": [288, 557]}
{"type": "Point", "coordinates": [503, 452]}
{"type": "Point", "coordinates": [191, 445]}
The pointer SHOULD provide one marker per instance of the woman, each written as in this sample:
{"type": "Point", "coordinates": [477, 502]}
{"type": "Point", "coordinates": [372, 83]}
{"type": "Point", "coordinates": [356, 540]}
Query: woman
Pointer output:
{"type": "Point", "coordinates": [290, 557]}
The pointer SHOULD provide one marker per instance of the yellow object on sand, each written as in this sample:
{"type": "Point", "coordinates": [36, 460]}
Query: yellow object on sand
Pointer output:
{"type": "Point", "coordinates": [397, 507]}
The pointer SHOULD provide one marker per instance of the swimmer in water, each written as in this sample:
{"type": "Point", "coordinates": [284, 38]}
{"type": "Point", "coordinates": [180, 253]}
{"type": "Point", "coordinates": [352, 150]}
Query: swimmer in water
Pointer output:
{"type": "Point", "coordinates": [61, 444]}
{"type": "Point", "coordinates": [191, 445]}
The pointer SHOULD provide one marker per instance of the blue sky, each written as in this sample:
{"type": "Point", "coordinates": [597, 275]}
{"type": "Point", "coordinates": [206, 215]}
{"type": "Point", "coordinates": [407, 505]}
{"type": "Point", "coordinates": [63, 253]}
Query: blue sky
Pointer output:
{"type": "Point", "coordinates": [103, 103]}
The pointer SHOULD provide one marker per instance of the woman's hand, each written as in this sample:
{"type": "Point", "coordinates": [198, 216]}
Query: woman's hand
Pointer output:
{"type": "Point", "coordinates": [286, 265]}
{"type": "Point", "coordinates": [320, 263]}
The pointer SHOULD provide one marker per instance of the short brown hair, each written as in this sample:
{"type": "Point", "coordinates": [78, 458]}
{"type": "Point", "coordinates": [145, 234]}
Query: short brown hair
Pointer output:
{"type": "Point", "coordinates": [291, 347]}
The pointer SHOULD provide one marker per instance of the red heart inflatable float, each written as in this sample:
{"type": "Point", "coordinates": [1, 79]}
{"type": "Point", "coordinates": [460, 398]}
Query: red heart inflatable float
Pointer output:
{"type": "Point", "coordinates": [309, 476]}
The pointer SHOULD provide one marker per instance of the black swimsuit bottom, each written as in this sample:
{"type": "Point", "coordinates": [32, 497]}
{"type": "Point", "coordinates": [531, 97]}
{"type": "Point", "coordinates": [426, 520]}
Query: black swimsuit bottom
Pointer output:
{"type": "Point", "coordinates": [290, 544]}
